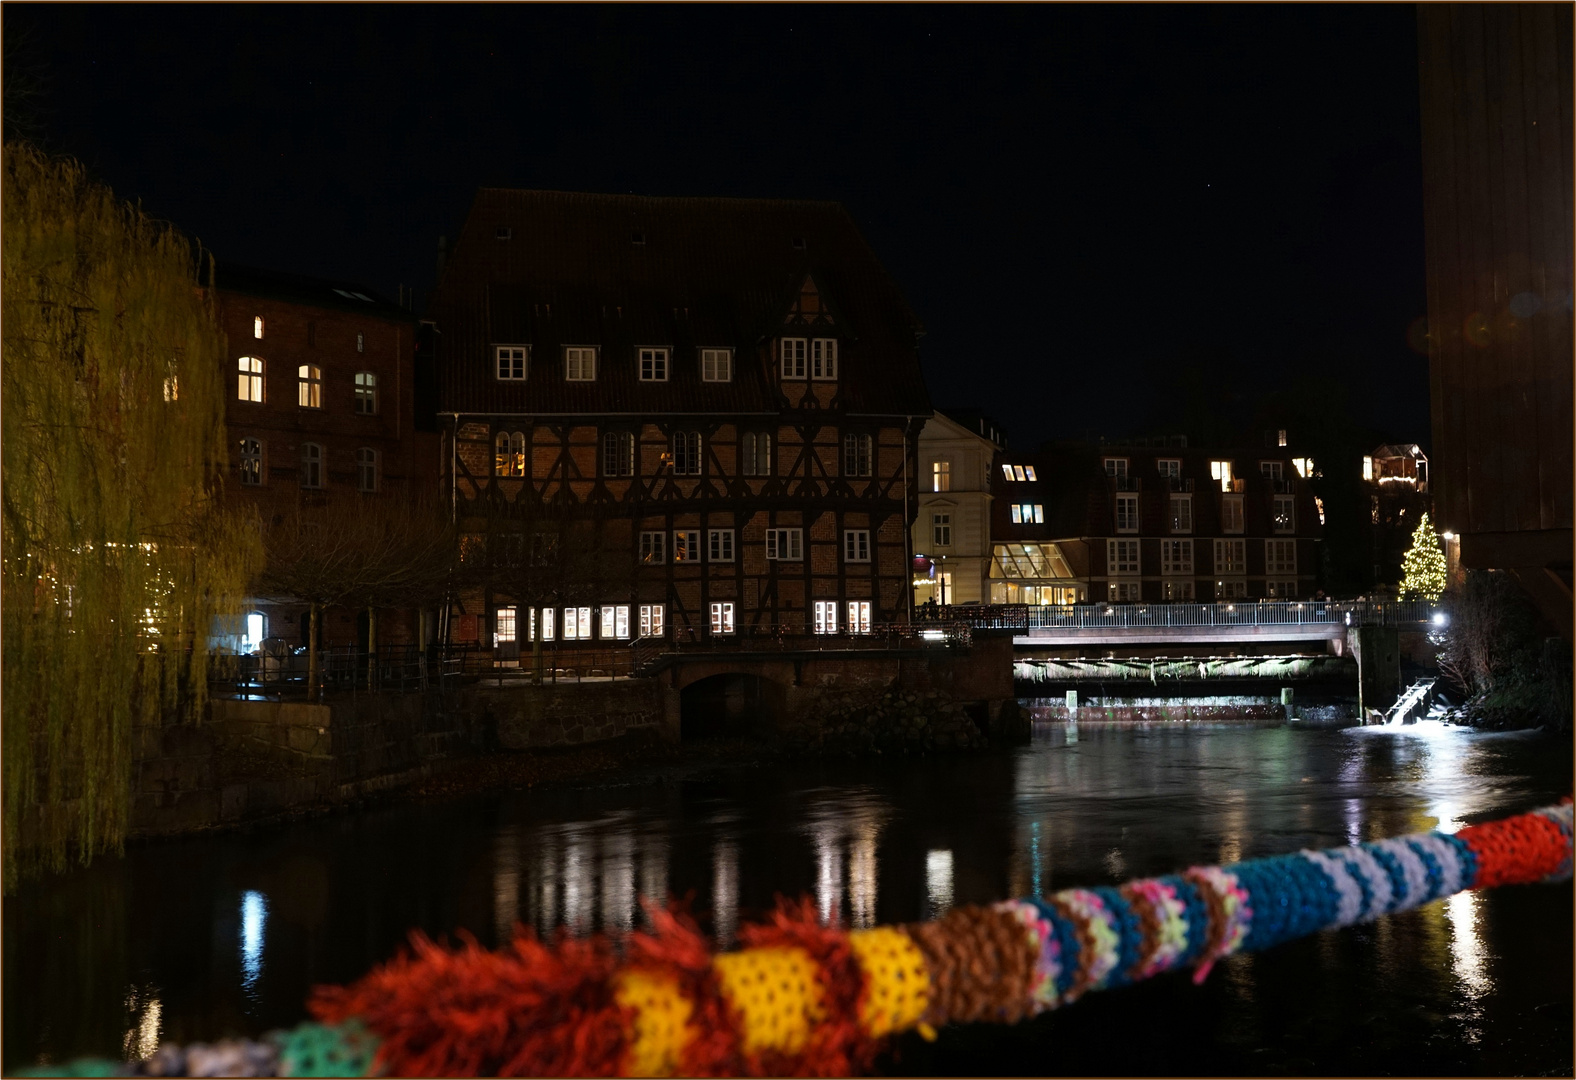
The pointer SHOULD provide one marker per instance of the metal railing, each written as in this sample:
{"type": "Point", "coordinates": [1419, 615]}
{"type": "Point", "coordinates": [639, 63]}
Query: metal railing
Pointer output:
{"type": "Point", "coordinates": [1232, 613]}
{"type": "Point", "coordinates": [777, 638]}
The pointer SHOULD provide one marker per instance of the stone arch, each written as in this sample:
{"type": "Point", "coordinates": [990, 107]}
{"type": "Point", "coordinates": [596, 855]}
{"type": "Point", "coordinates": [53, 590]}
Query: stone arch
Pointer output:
{"type": "Point", "coordinates": [729, 703]}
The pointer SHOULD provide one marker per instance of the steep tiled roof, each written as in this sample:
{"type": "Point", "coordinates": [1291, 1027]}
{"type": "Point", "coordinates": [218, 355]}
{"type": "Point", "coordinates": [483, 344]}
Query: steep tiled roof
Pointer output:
{"type": "Point", "coordinates": [315, 292]}
{"type": "Point", "coordinates": [554, 269]}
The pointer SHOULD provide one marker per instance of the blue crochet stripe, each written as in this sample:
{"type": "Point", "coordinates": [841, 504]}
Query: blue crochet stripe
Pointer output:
{"type": "Point", "coordinates": [1399, 894]}
{"type": "Point", "coordinates": [1197, 915]}
{"type": "Point", "coordinates": [1289, 897]}
{"type": "Point", "coordinates": [1130, 928]}
{"type": "Point", "coordinates": [1435, 872]}
{"type": "Point", "coordinates": [1069, 958]}
{"type": "Point", "coordinates": [1468, 858]}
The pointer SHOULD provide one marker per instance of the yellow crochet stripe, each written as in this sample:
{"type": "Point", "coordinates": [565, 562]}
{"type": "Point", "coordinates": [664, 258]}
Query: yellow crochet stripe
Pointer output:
{"type": "Point", "coordinates": [777, 996]}
{"type": "Point", "coordinates": [897, 984]}
{"type": "Point", "coordinates": [661, 1029]}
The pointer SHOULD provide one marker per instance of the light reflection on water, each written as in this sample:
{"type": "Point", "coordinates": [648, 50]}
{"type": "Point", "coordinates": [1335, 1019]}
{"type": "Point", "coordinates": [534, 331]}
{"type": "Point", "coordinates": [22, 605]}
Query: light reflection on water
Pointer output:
{"type": "Point", "coordinates": [142, 1037]}
{"type": "Point", "coordinates": [254, 921]}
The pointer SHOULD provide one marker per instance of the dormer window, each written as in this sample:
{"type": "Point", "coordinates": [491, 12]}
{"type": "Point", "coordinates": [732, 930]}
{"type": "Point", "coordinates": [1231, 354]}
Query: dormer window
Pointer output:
{"type": "Point", "coordinates": [512, 361]}
{"type": "Point", "coordinates": [580, 364]}
{"type": "Point", "coordinates": [653, 365]}
{"type": "Point", "coordinates": [823, 359]}
{"type": "Point", "coordinates": [794, 350]}
{"type": "Point", "coordinates": [716, 365]}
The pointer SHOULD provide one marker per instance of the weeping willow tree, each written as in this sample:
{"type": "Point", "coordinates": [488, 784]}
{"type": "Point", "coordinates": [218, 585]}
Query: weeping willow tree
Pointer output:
{"type": "Point", "coordinates": [117, 549]}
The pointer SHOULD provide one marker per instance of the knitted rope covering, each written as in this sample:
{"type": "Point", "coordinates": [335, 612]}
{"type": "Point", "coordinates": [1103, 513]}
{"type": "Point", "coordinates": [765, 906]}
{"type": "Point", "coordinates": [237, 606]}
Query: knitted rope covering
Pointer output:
{"type": "Point", "coordinates": [804, 999]}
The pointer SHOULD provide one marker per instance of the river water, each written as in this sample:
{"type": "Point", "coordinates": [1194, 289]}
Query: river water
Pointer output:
{"type": "Point", "coordinates": [198, 938]}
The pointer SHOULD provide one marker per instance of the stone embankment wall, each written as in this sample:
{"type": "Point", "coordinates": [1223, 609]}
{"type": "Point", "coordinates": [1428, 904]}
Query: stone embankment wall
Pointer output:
{"type": "Point", "coordinates": [525, 717]}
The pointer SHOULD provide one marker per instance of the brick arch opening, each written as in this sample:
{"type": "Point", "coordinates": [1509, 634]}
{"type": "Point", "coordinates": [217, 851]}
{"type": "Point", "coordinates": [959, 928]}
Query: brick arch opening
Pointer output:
{"type": "Point", "coordinates": [734, 703]}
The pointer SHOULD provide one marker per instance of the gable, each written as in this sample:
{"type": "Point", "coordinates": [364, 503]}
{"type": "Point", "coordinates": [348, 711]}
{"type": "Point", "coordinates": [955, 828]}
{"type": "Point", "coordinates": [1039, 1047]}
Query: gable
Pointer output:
{"type": "Point", "coordinates": [809, 307]}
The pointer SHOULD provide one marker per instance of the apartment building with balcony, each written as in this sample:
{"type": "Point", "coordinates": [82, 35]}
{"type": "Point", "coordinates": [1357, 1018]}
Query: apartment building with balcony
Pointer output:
{"type": "Point", "coordinates": [1153, 521]}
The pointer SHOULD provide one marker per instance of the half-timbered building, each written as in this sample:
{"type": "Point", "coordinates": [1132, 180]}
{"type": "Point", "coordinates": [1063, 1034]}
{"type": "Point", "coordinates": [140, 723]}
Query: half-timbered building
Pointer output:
{"type": "Point", "coordinates": [674, 416]}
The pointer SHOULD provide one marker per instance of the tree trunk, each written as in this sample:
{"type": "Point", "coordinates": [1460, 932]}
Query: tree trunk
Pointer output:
{"type": "Point", "coordinates": [372, 648]}
{"type": "Point", "coordinates": [311, 654]}
{"type": "Point", "coordinates": [536, 647]}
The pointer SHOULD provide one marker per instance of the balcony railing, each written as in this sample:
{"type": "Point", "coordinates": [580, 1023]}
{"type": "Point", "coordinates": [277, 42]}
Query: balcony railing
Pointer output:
{"type": "Point", "coordinates": [1232, 613]}
{"type": "Point", "coordinates": [1178, 483]}
{"type": "Point", "coordinates": [1126, 483]}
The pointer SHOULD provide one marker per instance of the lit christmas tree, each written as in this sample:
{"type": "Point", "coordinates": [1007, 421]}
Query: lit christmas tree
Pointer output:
{"type": "Point", "coordinates": [1423, 566]}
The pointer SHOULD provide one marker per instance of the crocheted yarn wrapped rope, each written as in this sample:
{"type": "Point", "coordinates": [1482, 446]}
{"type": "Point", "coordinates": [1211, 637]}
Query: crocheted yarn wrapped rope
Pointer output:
{"type": "Point", "coordinates": [804, 999]}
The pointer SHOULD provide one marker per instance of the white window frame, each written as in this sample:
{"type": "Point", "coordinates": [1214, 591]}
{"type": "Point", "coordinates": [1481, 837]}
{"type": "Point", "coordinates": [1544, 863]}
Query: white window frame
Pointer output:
{"type": "Point", "coordinates": [509, 453]}
{"type": "Point", "coordinates": [1019, 473]}
{"type": "Point", "coordinates": [312, 464]}
{"type": "Point", "coordinates": [1231, 513]}
{"type": "Point", "coordinates": [549, 623]}
{"type": "Point", "coordinates": [856, 545]}
{"type": "Point", "coordinates": [1280, 589]}
{"type": "Point", "coordinates": [1181, 512]}
{"type": "Point", "coordinates": [686, 545]}
{"type": "Point", "coordinates": [716, 365]}
{"type": "Point", "coordinates": [785, 545]}
{"type": "Point", "coordinates": [858, 616]}
{"type": "Point", "coordinates": [755, 447]}
{"type": "Point", "coordinates": [618, 454]}
{"type": "Point", "coordinates": [1028, 472]}
{"type": "Point", "coordinates": [826, 616]}
{"type": "Point", "coordinates": [613, 624]}
{"type": "Point", "coordinates": [1006, 470]}
{"type": "Point", "coordinates": [1117, 561]}
{"type": "Point", "coordinates": [1127, 510]}
{"type": "Point", "coordinates": [577, 624]}
{"type": "Point", "coordinates": [1280, 557]}
{"type": "Point", "coordinates": [722, 612]}
{"type": "Point", "coordinates": [1283, 522]}
{"type": "Point", "coordinates": [1170, 468]}
{"type": "Point", "coordinates": [940, 475]}
{"type": "Point", "coordinates": [688, 448]}
{"type": "Point", "coordinates": [794, 352]}
{"type": "Point", "coordinates": [1125, 591]}
{"type": "Point", "coordinates": [1221, 470]}
{"type": "Point", "coordinates": [511, 363]}
{"type": "Point", "coordinates": [1177, 589]}
{"type": "Point", "coordinates": [1231, 589]}
{"type": "Point", "coordinates": [823, 359]}
{"type": "Point", "coordinates": [251, 461]}
{"type": "Point", "coordinates": [719, 545]}
{"type": "Point", "coordinates": [367, 471]}
{"type": "Point", "coordinates": [941, 528]}
{"type": "Point", "coordinates": [1273, 470]}
{"type": "Point", "coordinates": [366, 393]}
{"type": "Point", "coordinates": [1231, 558]}
{"type": "Point", "coordinates": [250, 370]}
{"type": "Point", "coordinates": [580, 363]}
{"type": "Point", "coordinates": [1176, 556]}
{"type": "Point", "coordinates": [654, 364]}
{"type": "Point", "coordinates": [1116, 466]}
{"type": "Point", "coordinates": [653, 620]}
{"type": "Point", "coordinates": [505, 625]}
{"type": "Point", "coordinates": [859, 455]}
{"type": "Point", "coordinates": [257, 327]}
{"type": "Point", "coordinates": [309, 386]}
{"type": "Point", "coordinates": [653, 547]}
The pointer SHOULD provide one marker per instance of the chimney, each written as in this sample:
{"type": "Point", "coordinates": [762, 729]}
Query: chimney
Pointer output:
{"type": "Point", "coordinates": [443, 252]}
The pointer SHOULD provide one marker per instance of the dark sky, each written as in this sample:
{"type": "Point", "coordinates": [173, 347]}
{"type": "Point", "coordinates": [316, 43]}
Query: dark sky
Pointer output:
{"type": "Point", "coordinates": [1077, 201]}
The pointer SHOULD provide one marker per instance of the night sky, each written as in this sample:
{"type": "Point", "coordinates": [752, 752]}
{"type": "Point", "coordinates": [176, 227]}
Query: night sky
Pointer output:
{"type": "Point", "coordinates": [1077, 201]}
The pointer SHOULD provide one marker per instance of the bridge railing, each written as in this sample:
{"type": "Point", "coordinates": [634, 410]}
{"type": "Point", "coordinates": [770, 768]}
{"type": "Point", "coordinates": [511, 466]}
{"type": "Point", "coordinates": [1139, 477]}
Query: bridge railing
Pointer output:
{"type": "Point", "coordinates": [1231, 613]}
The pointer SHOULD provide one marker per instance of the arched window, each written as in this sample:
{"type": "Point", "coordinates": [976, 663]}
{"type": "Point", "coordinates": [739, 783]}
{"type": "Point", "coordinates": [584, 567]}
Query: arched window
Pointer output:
{"type": "Point", "coordinates": [366, 393]}
{"type": "Point", "coordinates": [686, 453]}
{"type": "Point", "coordinates": [256, 630]}
{"type": "Point", "coordinates": [509, 453]}
{"type": "Point", "coordinates": [366, 469]}
{"type": "Point", "coordinates": [257, 327]}
{"type": "Point", "coordinates": [309, 386]}
{"type": "Point", "coordinates": [251, 379]}
{"type": "Point", "coordinates": [311, 465]}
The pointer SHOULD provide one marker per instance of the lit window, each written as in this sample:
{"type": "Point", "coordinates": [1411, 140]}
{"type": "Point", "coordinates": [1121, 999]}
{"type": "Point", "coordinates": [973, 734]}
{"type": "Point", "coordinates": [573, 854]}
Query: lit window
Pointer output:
{"type": "Point", "coordinates": [1368, 468]}
{"type": "Point", "coordinates": [1280, 556]}
{"type": "Point", "coordinates": [251, 461]}
{"type": "Point", "coordinates": [509, 453]}
{"type": "Point", "coordinates": [785, 545]}
{"type": "Point", "coordinates": [1280, 437]}
{"type": "Point", "coordinates": [1121, 556]}
{"type": "Point", "coordinates": [859, 616]}
{"type": "Point", "coordinates": [1018, 473]}
{"type": "Point", "coordinates": [1176, 556]}
{"type": "Point", "coordinates": [1231, 513]}
{"type": "Point", "coordinates": [577, 624]}
{"type": "Point", "coordinates": [361, 343]}
{"type": "Point", "coordinates": [504, 626]}
{"type": "Point", "coordinates": [1221, 471]}
{"type": "Point", "coordinates": [719, 545]}
{"type": "Point", "coordinates": [172, 388]}
{"type": "Point", "coordinates": [1127, 513]}
{"type": "Point", "coordinates": [686, 545]}
{"type": "Point", "coordinates": [856, 545]}
{"type": "Point", "coordinates": [1231, 557]}
{"type": "Point", "coordinates": [653, 365]}
{"type": "Point", "coordinates": [1006, 470]}
{"type": "Point", "coordinates": [580, 364]}
{"type": "Point", "coordinates": [686, 453]}
{"type": "Point", "coordinates": [653, 547]}
{"type": "Point", "coordinates": [1028, 471]}
{"type": "Point", "coordinates": [618, 453]}
{"type": "Point", "coordinates": [941, 476]}
{"type": "Point", "coordinates": [549, 623]}
{"type": "Point", "coordinates": [251, 384]}
{"type": "Point", "coordinates": [1181, 513]}
{"type": "Point", "coordinates": [652, 619]}
{"type": "Point", "coordinates": [716, 365]}
{"type": "Point", "coordinates": [513, 361]}
{"type": "Point", "coordinates": [309, 386]}
{"type": "Point", "coordinates": [257, 327]}
{"type": "Point", "coordinates": [826, 616]}
{"type": "Point", "coordinates": [366, 469]}
{"type": "Point", "coordinates": [1176, 590]}
{"type": "Point", "coordinates": [823, 358]}
{"type": "Point", "coordinates": [793, 352]}
{"type": "Point", "coordinates": [1116, 466]}
{"type": "Point", "coordinates": [857, 455]}
{"type": "Point", "coordinates": [722, 617]}
{"type": "Point", "coordinates": [1280, 590]}
{"type": "Point", "coordinates": [366, 393]}
{"type": "Point", "coordinates": [1285, 514]}
{"type": "Point", "coordinates": [1319, 505]}
{"type": "Point", "coordinates": [614, 622]}
{"type": "Point", "coordinates": [311, 465]}
{"type": "Point", "coordinates": [1303, 465]}
{"type": "Point", "coordinates": [756, 450]}
{"type": "Point", "coordinates": [1231, 590]}
{"type": "Point", "coordinates": [941, 530]}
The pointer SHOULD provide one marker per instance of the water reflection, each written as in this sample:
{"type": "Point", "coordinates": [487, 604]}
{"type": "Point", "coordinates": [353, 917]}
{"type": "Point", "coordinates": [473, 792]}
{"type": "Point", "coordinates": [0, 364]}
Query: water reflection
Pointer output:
{"type": "Point", "coordinates": [254, 920]}
{"type": "Point", "coordinates": [618, 881]}
{"type": "Point", "coordinates": [506, 882]}
{"type": "Point", "coordinates": [938, 882]}
{"type": "Point", "coordinates": [145, 1010]}
{"type": "Point", "coordinates": [845, 831]}
{"type": "Point", "coordinates": [1467, 955]}
{"type": "Point", "coordinates": [725, 890]}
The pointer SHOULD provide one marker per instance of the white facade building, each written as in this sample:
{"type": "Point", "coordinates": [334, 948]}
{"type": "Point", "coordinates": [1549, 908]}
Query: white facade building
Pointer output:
{"type": "Point", "coordinates": [952, 530]}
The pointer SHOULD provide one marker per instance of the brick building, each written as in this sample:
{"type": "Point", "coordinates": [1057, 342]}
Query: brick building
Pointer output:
{"type": "Point", "coordinates": [1150, 521]}
{"type": "Point", "coordinates": [674, 416]}
{"type": "Point", "coordinates": [321, 407]}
